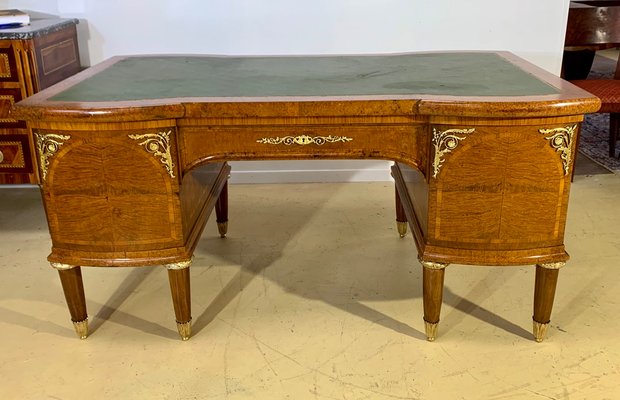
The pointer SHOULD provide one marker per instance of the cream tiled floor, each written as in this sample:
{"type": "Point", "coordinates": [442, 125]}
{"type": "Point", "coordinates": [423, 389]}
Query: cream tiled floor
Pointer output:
{"type": "Point", "coordinates": [313, 296]}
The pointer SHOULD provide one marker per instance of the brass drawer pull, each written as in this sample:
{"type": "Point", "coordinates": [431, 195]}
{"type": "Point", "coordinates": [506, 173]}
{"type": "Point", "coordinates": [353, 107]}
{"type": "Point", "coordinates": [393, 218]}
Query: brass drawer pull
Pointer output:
{"type": "Point", "coordinates": [1, 156]}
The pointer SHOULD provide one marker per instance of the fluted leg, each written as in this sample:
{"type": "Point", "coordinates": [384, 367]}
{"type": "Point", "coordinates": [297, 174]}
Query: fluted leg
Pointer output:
{"type": "Point", "coordinates": [432, 291]}
{"type": "Point", "coordinates": [73, 288]}
{"type": "Point", "coordinates": [544, 292]}
{"type": "Point", "coordinates": [178, 275]}
{"type": "Point", "coordinates": [401, 218]}
{"type": "Point", "coordinates": [221, 211]}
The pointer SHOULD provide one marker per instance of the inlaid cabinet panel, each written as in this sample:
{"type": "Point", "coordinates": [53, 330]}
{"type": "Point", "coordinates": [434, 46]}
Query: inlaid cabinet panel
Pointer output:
{"type": "Point", "coordinates": [14, 154]}
{"type": "Point", "coordinates": [57, 56]}
{"type": "Point", "coordinates": [8, 66]}
{"type": "Point", "coordinates": [8, 97]}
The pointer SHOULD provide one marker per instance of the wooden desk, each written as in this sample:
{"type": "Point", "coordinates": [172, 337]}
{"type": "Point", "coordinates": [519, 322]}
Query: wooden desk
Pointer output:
{"type": "Point", "coordinates": [132, 156]}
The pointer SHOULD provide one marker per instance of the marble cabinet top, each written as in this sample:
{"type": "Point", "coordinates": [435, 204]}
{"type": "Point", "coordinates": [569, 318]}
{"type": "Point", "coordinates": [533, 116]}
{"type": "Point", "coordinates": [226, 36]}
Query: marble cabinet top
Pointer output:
{"type": "Point", "coordinates": [37, 27]}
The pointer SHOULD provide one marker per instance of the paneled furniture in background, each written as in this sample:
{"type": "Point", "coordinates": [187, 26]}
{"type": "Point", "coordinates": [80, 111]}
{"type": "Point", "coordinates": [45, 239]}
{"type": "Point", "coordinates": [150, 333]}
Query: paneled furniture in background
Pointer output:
{"type": "Point", "coordinates": [32, 58]}
{"type": "Point", "coordinates": [592, 25]}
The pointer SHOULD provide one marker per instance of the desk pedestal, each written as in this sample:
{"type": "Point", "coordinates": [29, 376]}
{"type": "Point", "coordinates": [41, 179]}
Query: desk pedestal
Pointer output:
{"type": "Point", "coordinates": [492, 196]}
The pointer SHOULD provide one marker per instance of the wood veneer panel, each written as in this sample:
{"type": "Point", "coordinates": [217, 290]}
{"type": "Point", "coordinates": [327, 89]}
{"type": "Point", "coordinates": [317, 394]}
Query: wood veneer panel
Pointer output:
{"type": "Point", "coordinates": [490, 190]}
{"type": "Point", "coordinates": [396, 142]}
{"type": "Point", "coordinates": [196, 191]}
{"type": "Point", "coordinates": [118, 197]}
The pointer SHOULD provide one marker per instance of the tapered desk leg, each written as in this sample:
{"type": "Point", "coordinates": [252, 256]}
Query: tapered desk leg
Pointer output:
{"type": "Point", "coordinates": [221, 211]}
{"type": "Point", "coordinates": [178, 275]}
{"type": "Point", "coordinates": [432, 291]}
{"type": "Point", "coordinates": [401, 218]}
{"type": "Point", "coordinates": [544, 292]}
{"type": "Point", "coordinates": [73, 288]}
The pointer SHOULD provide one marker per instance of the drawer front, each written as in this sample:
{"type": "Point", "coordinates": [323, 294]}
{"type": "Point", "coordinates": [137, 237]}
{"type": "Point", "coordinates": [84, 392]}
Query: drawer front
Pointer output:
{"type": "Point", "coordinates": [8, 97]}
{"type": "Point", "coordinates": [400, 142]}
{"type": "Point", "coordinates": [8, 66]}
{"type": "Point", "coordinates": [15, 154]}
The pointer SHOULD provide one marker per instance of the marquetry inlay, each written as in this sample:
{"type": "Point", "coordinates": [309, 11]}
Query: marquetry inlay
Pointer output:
{"type": "Point", "coordinates": [18, 161]}
{"type": "Point", "coordinates": [6, 101]}
{"type": "Point", "coordinates": [5, 66]}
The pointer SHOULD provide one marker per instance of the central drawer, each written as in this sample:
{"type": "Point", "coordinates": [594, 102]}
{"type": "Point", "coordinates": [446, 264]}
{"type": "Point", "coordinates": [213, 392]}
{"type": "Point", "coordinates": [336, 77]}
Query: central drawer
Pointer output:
{"type": "Point", "coordinates": [200, 144]}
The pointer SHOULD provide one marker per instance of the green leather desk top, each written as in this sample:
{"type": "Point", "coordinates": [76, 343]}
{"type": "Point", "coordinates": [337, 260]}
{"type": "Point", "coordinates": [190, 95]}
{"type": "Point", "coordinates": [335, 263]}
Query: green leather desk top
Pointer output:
{"type": "Point", "coordinates": [161, 77]}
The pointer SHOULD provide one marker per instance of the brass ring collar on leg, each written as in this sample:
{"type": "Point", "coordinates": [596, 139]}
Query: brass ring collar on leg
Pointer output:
{"type": "Point", "coordinates": [179, 265]}
{"type": "Point", "coordinates": [61, 266]}
{"type": "Point", "coordinates": [433, 264]}
{"type": "Point", "coordinates": [553, 265]}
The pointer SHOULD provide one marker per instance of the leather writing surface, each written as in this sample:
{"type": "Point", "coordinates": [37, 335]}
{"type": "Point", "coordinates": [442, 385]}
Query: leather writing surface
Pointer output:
{"type": "Point", "coordinates": [455, 74]}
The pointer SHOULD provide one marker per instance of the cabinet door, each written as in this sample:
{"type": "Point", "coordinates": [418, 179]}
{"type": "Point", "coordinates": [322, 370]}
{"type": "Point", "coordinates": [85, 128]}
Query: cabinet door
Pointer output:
{"type": "Point", "coordinates": [57, 56]}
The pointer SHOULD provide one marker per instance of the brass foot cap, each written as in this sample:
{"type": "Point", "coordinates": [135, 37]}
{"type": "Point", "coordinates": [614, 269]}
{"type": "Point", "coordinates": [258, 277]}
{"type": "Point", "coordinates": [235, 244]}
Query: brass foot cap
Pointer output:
{"type": "Point", "coordinates": [81, 328]}
{"type": "Point", "coordinates": [402, 228]}
{"type": "Point", "coordinates": [222, 227]}
{"type": "Point", "coordinates": [185, 329]}
{"type": "Point", "coordinates": [540, 331]}
{"type": "Point", "coordinates": [431, 330]}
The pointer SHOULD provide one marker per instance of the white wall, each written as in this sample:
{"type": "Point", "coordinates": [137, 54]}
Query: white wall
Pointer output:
{"type": "Point", "coordinates": [533, 29]}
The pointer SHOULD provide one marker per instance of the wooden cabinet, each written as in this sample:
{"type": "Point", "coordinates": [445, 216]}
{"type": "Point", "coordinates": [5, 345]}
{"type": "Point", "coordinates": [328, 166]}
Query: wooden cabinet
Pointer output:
{"type": "Point", "coordinates": [31, 58]}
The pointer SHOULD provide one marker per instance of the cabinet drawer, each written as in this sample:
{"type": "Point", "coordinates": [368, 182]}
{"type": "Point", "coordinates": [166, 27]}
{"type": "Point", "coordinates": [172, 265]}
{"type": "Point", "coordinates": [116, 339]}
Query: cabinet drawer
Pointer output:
{"type": "Point", "coordinates": [8, 97]}
{"type": "Point", "coordinates": [15, 154]}
{"type": "Point", "coordinates": [8, 66]}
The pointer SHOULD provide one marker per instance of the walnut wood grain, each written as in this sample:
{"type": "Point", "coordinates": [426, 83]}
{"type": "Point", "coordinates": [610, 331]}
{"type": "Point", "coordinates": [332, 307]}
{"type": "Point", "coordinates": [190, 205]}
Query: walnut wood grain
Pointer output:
{"type": "Point", "coordinates": [544, 292]}
{"type": "Point", "coordinates": [181, 294]}
{"type": "Point", "coordinates": [432, 290]}
{"type": "Point", "coordinates": [73, 288]}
